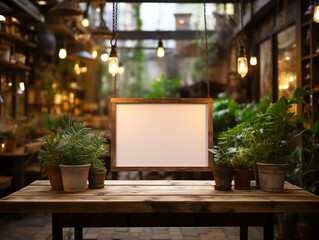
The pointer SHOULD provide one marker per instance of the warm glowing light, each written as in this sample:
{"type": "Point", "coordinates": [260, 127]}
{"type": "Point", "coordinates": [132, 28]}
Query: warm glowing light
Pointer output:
{"type": "Point", "coordinates": [113, 65]}
{"type": "Point", "coordinates": [280, 87]}
{"type": "Point", "coordinates": [58, 98]}
{"type": "Point", "coordinates": [98, 10]}
{"type": "Point", "coordinates": [62, 53]}
{"type": "Point", "coordinates": [94, 53]}
{"type": "Point", "coordinates": [181, 21]}
{"type": "Point", "coordinates": [287, 58]}
{"type": "Point", "coordinates": [71, 98]}
{"type": "Point", "coordinates": [160, 52]}
{"type": "Point", "coordinates": [84, 69]}
{"type": "Point", "coordinates": [74, 85]}
{"type": "Point", "coordinates": [104, 57]}
{"type": "Point", "coordinates": [316, 13]}
{"type": "Point", "coordinates": [85, 22]}
{"type": "Point", "coordinates": [10, 84]}
{"type": "Point", "coordinates": [285, 87]}
{"type": "Point", "coordinates": [253, 61]}
{"type": "Point", "coordinates": [291, 79]}
{"type": "Point", "coordinates": [40, 2]}
{"type": "Point", "coordinates": [2, 18]}
{"type": "Point", "coordinates": [242, 67]}
{"type": "Point", "coordinates": [54, 85]}
{"type": "Point", "coordinates": [121, 69]}
{"type": "Point", "coordinates": [22, 86]}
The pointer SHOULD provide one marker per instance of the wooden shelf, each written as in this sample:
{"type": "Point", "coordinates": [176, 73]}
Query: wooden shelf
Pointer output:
{"type": "Point", "coordinates": [14, 66]}
{"type": "Point", "coordinates": [18, 40]}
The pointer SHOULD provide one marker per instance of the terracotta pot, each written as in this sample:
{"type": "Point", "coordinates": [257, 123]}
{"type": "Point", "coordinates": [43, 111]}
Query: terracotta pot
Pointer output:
{"type": "Point", "coordinates": [96, 179]}
{"type": "Point", "coordinates": [272, 176]}
{"type": "Point", "coordinates": [223, 177]}
{"type": "Point", "coordinates": [10, 146]}
{"type": "Point", "coordinates": [55, 178]}
{"type": "Point", "coordinates": [75, 177]}
{"type": "Point", "coordinates": [242, 178]}
{"type": "Point", "coordinates": [307, 232]}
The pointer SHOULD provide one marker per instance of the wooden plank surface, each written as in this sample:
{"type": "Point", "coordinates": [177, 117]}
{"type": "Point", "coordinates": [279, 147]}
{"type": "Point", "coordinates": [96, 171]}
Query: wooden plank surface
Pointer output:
{"type": "Point", "coordinates": [158, 197]}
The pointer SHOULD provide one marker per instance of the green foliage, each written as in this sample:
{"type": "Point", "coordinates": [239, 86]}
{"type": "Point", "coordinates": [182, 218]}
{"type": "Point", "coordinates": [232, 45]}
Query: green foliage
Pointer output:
{"type": "Point", "coordinates": [9, 135]}
{"type": "Point", "coordinates": [165, 88]}
{"type": "Point", "coordinates": [242, 159]}
{"type": "Point", "coordinates": [266, 135]}
{"type": "Point", "coordinates": [223, 157]}
{"type": "Point", "coordinates": [72, 144]}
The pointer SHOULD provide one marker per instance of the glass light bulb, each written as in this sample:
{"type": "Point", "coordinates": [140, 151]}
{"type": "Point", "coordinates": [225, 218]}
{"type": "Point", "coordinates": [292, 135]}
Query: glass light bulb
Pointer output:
{"type": "Point", "coordinates": [85, 22]}
{"type": "Point", "coordinates": [62, 53]}
{"type": "Point", "coordinates": [316, 14]}
{"type": "Point", "coordinates": [2, 18]}
{"type": "Point", "coordinates": [113, 65]}
{"type": "Point", "coordinates": [242, 66]}
{"type": "Point", "coordinates": [22, 86]}
{"type": "Point", "coordinates": [94, 53]}
{"type": "Point", "coordinates": [104, 57]}
{"type": "Point", "coordinates": [160, 52]}
{"type": "Point", "coordinates": [253, 61]}
{"type": "Point", "coordinates": [121, 70]}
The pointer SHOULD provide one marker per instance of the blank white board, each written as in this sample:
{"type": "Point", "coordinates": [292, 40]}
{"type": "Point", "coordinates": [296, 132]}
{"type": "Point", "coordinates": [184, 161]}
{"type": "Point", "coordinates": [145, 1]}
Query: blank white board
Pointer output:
{"type": "Point", "coordinates": [161, 134]}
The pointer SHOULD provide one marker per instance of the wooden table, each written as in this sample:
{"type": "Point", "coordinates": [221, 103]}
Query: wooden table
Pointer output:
{"type": "Point", "coordinates": [158, 203]}
{"type": "Point", "coordinates": [18, 160]}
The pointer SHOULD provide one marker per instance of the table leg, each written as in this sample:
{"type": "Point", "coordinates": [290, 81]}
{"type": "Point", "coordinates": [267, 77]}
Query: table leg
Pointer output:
{"type": "Point", "coordinates": [78, 233]}
{"type": "Point", "coordinates": [269, 227]}
{"type": "Point", "coordinates": [18, 173]}
{"type": "Point", "coordinates": [243, 232]}
{"type": "Point", "coordinates": [57, 233]}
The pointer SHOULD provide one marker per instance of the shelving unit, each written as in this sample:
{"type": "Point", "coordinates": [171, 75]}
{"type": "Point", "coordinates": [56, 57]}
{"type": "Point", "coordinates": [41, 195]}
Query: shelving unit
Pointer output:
{"type": "Point", "coordinates": [309, 64]}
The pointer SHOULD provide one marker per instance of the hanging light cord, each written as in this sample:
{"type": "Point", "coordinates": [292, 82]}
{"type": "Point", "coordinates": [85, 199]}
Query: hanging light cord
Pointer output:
{"type": "Point", "coordinates": [114, 37]}
{"type": "Point", "coordinates": [207, 66]}
{"type": "Point", "coordinates": [242, 37]}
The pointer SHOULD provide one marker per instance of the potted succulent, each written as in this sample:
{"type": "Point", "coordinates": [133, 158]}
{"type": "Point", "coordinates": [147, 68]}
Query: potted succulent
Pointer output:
{"type": "Point", "coordinates": [223, 169]}
{"type": "Point", "coordinates": [97, 174]}
{"type": "Point", "coordinates": [243, 172]}
{"type": "Point", "coordinates": [50, 159]}
{"type": "Point", "coordinates": [78, 149]}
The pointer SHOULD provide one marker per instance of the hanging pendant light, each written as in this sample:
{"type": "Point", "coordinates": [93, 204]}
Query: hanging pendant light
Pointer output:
{"type": "Point", "coordinates": [102, 31]}
{"type": "Point", "coordinates": [242, 63]}
{"type": "Point", "coordinates": [113, 60]}
{"type": "Point", "coordinates": [66, 8]}
{"type": "Point", "coordinates": [121, 69]}
{"type": "Point", "coordinates": [316, 12]}
{"type": "Point", "coordinates": [253, 59]}
{"type": "Point", "coordinates": [85, 21]}
{"type": "Point", "coordinates": [62, 52]}
{"type": "Point", "coordinates": [105, 56]}
{"type": "Point", "coordinates": [22, 86]}
{"type": "Point", "coordinates": [160, 49]}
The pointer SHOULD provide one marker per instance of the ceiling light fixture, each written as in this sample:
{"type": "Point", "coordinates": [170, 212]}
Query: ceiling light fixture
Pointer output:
{"type": "Point", "coordinates": [160, 49]}
{"type": "Point", "coordinates": [105, 56]}
{"type": "Point", "coordinates": [121, 69]}
{"type": "Point", "coordinates": [102, 31]}
{"type": "Point", "coordinates": [242, 64]}
{"type": "Point", "coordinates": [2, 18]}
{"type": "Point", "coordinates": [85, 21]}
{"type": "Point", "coordinates": [94, 53]}
{"type": "Point", "coordinates": [316, 12]}
{"type": "Point", "coordinates": [66, 8]}
{"type": "Point", "coordinates": [62, 52]}
{"type": "Point", "coordinates": [113, 60]}
{"type": "Point", "coordinates": [41, 2]}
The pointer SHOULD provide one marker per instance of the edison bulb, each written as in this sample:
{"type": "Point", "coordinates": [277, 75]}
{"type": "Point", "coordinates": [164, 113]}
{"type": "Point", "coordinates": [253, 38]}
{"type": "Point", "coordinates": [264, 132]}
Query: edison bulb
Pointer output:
{"type": "Point", "coordinates": [113, 65]}
{"type": "Point", "coordinates": [85, 22]}
{"type": "Point", "coordinates": [253, 61]}
{"type": "Point", "coordinates": [94, 53]}
{"type": "Point", "coordinates": [121, 70]}
{"type": "Point", "coordinates": [160, 52]}
{"type": "Point", "coordinates": [62, 53]}
{"type": "Point", "coordinates": [2, 18]}
{"type": "Point", "coordinates": [242, 66]}
{"type": "Point", "coordinates": [104, 57]}
{"type": "Point", "coordinates": [316, 14]}
{"type": "Point", "coordinates": [22, 86]}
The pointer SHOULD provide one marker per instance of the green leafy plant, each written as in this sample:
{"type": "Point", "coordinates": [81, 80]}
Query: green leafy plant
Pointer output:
{"type": "Point", "coordinates": [242, 159]}
{"type": "Point", "coordinates": [165, 88]}
{"type": "Point", "coordinates": [223, 157]}
{"type": "Point", "coordinates": [49, 155]}
{"type": "Point", "coordinates": [9, 135]}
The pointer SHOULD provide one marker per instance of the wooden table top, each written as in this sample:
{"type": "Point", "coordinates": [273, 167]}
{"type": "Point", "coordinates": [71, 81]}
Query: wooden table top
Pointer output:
{"type": "Point", "coordinates": [157, 196]}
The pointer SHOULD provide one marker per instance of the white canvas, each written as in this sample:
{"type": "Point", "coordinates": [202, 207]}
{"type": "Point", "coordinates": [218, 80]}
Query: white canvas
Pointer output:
{"type": "Point", "coordinates": [161, 135]}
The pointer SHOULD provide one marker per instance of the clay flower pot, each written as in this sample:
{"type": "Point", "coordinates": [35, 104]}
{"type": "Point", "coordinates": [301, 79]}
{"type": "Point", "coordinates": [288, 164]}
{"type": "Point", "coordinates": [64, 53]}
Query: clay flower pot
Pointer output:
{"type": "Point", "coordinates": [10, 146]}
{"type": "Point", "coordinates": [223, 177]}
{"type": "Point", "coordinates": [55, 178]}
{"type": "Point", "coordinates": [272, 176]}
{"type": "Point", "coordinates": [75, 177]}
{"type": "Point", "coordinates": [96, 179]}
{"type": "Point", "coordinates": [242, 178]}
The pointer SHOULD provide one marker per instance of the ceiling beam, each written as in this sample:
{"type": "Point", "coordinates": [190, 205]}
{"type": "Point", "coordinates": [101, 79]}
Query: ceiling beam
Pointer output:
{"type": "Point", "coordinates": [175, 35]}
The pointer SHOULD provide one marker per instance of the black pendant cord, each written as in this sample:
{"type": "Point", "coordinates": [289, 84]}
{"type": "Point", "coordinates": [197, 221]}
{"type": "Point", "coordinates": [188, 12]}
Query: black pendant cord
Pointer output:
{"type": "Point", "coordinates": [114, 37]}
{"type": "Point", "coordinates": [206, 51]}
{"type": "Point", "coordinates": [242, 37]}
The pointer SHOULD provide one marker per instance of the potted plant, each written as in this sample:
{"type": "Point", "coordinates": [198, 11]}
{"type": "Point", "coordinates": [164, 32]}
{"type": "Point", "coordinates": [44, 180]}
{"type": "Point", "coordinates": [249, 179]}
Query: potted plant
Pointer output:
{"type": "Point", "coordinates": [78, 149]}
{"type": "Point", "coordinates": [223, 169]}
{"type": "Point", "coordinates": [243, 172]}
{"type": "Point", "coordinates": [97, 174]}
{"type": "Point", "coordinates": [10, 141]}
{"type": "Point", "coordinates": [50, 159]}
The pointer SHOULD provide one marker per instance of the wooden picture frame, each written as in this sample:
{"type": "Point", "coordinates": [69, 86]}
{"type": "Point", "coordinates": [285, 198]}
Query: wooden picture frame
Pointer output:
{"type": "Point", "coordinates": [137, 134]}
